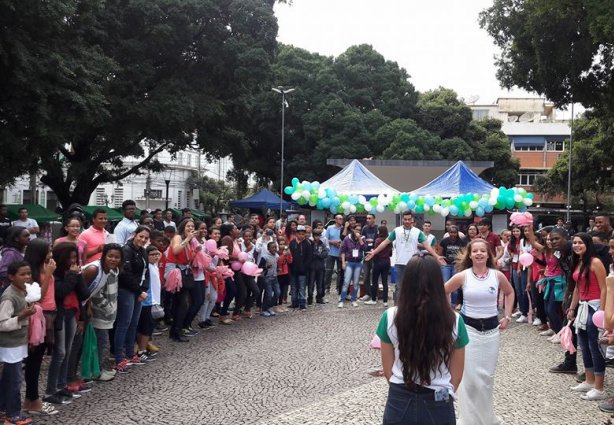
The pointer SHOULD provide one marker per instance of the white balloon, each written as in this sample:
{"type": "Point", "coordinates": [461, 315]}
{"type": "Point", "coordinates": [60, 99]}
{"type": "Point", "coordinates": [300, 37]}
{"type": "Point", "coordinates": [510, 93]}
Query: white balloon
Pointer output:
{"type": "Point", "coordinates": [321, 193]}
{"type": "Point", "coordinates": [306, 194]}
{"type": "Point", "coordinates": [518, 198]}
{"type": "Point", "coordinates": [402, 206]}
{"type": "Point", "coordinates": [379, 208]}
{"type": "Point", "coordinates": [445, 211]}
{"type": "Point", "coordinates": [492, 201]}
{"type": "Point", "coordinates": [494, 192]}
{"type": "Point", "coordinates": [527, 201]}
{"type": "Point", "coordinates": [362, 199]}
{"type": "Point", "coordinates": [346, 212]}
{"type": "Point", "coordinates": [352, 209]}
{"type": "Point", "coordinates": [427, 207]}
{"type": "Point", "coordinates": [345, 205]}
{"type": "Point", "coordinates": [468, 212]}
{"type": "Point", "coordinates": [437, 208]}
{"type": "Point", "coordinates": [473, 205]}
{"type": "Point", "coordinates": [295, 196]}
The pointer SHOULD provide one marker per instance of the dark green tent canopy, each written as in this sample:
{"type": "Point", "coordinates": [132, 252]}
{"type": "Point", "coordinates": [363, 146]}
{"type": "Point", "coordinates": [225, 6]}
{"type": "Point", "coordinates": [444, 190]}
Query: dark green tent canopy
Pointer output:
{"type": "Point", "coordinates": [35, 211]}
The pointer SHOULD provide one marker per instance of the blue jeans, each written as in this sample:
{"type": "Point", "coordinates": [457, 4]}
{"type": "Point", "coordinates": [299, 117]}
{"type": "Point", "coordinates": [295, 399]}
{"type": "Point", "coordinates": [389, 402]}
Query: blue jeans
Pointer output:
{"type": "Point", "coordinates": [352, 274]}
{"type": "Point", "coordinates": [381, 267]}
{"type": "Point", "coordinates": [409, 408]}
{"type": "Point", "coordinates": [399, 269]}
{"type": "Point", "coordinates": [58, 367]}
{"type": "Point", "coordinates": [448, 271]}
{"type": "Point", "coordinates": [520, 286]}
{"type": "Point", "coordinates": [589, 342]}
{"type": "Point", "coordinates": [10, 386]}
{"type": "Point", "coordinates": [299, 298]}
{"type": "Point", "coordinates": [271, 292]}
{"type": "Point", "coordinates": [128, 313]}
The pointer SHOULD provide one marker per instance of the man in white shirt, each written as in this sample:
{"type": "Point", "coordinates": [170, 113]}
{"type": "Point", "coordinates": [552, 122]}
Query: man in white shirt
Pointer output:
{"type": "Point", "coordinates": [168, 219]}
{"type": "Point", "coordinates": [125, 228]}
{"type": "Point", "coordinates": [29, 223]}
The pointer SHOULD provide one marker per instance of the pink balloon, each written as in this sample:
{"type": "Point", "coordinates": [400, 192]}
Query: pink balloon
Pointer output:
{"type": "Point", "coordinates": [521, 219]}
{"type": "Point", "coordinates": [598, 319]}
{"type": "Point", "coordinates": [236, 265]}
{"type": "Point", "coordinates": [526, 259]}
{"type": "Point", "coordinates": [211, 245]}
{"type": "Point", "coordinates": [249, 268]}
{"type": "Point", "coordinates": [243, 257]}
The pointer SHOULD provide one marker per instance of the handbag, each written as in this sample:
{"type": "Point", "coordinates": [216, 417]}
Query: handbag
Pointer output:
{"type": "Point", "coordinates": [157, 312]}
{"type": "Point", "coordinates": [187, 277]}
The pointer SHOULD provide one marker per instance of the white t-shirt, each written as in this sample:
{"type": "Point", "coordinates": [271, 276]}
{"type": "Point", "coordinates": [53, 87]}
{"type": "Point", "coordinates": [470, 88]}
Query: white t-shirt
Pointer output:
{"type": "Point", "coordinates": [480, 295]}
{"type": "Point", "coordinates": [28, 224]}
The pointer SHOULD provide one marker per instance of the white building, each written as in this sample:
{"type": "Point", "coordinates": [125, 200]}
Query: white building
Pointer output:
{"type": "Point", "coordinates": [178, 169]}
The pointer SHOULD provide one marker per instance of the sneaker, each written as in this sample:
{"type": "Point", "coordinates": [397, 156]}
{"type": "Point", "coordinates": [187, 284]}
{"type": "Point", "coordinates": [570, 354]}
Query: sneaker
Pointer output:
{"type": "Point", "coordinates": [152, 348]}
{"type": "Point", "coordinates": [202, 325]}
{"type": "Point", "coordinates": [555, 339]}
{"type": "Point", "coordinates": [563, 368]}
{"type": "Point", "coordinates": [609, 363]}
{"type": "Point", "coordinates": [145, 358]}
{"type": "Point", "coordinates": [340, 305]}
{"type": "Point", "coordinates": [607, 406]}
{"type": "Point", "coordinates": [386, 305]}
{"type": "Point", "coordinates": [209, 324]}
{"type": "Point", "coordinates": [548, 332]}
{"type": "Point", "coordinates": [78, 388]}
{"type": "Point", "coordinates": [69, 395]}
{"type": "Point", "coordinates": [189, 332]}
{"type": "Point", "coordinates": [516, 314]}
{"type": "Point", "coordinates": [122, 366]}
{"type": "Point", "coordinates": [582, 387]}
{"type": "Point", "coordinates": [265, 313]}
{"type": "Point", "coordinates": [537, 322]}
{"type": "Point", "coordinates": [522, 319]}
{"type": "Point", "coordinates": [354, 304]}
{"type": "Point", "coordinates": [17, 420]}
{"type": "Point", "coordinates": [594, 394]}
{"type": "Point", "coordinates": [302, 308]}
{"type": "Point", "coordinates": [271, 312]}
{"type": "Point", "coordinates": [370, 302]}
{"type": "Point", "coordinates": [106, 375]}
{"type": "Point", "coordinates": [56, 399]}
{"type": "Point", "coordinates": [366, 298]}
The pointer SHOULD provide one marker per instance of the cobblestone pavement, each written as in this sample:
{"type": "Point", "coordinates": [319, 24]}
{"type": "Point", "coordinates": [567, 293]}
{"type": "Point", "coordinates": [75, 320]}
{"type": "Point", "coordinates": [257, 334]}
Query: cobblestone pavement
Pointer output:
{"type": "Point", "coordinates": [309, 368]}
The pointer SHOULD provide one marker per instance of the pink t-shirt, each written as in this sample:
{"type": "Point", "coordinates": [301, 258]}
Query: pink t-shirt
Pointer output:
{"type": "Point", "coordinates": [552, 266]}
{"type": "Point", "coordinates": [48, 301]}
{"type": "Point", "coordinates": [94, 238]}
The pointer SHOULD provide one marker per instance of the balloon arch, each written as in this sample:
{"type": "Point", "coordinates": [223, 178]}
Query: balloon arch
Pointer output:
{"type": "Point", "coordinates": [327, 198]}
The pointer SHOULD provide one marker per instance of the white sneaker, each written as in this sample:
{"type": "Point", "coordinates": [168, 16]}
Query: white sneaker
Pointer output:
{"type": "Point", "coordinates": [354, 304]}
{"type": "Point", "coordinates": [517, 314]}
{"type": "Point", "coordinates": [370, 302]}
{"type": "Point", "coordinates": [582, 387]}
{"type": "Point", "coordinates": [340, 305]}
{"type": "Point", "coordinates": [366, 298]}
{"type": "Point", "coordinates": [548, 332]}
{"type": "Point", "coordinates": [386, 305]}
{"type": "Point", "coordinates": [537, 322]}
{"type": "Point", "coordinates": [522, 319]}
{"type": "Point", "coordinates": [555, 339]}
{"type": "Point", "coordinates": [594, 394]}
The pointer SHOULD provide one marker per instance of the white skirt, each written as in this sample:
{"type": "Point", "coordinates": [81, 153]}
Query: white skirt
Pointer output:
{"type": "Point", "coordinates": [475, 393]}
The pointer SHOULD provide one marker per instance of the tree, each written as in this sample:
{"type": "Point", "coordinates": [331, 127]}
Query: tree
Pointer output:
{"type": "Point", "coordinates": [559, 48]}
{"type": "Point", "coordinates": [215, 195]}
{"type": "Point", "coordinates": [89, 84]}
{"type": "Point", "coordinates": [591, 170]}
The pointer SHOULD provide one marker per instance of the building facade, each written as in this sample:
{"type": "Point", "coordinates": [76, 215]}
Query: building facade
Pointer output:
{"type": "Point", "coordinates": [148, 190]}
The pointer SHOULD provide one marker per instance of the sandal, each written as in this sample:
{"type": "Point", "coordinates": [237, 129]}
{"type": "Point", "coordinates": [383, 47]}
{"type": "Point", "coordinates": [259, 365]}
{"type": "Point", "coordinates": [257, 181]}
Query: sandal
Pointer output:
{"type": "Point", "coordinates": [47, 410]}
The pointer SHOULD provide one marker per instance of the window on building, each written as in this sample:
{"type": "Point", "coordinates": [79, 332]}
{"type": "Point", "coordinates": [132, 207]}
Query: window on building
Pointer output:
{"type": "Point", "coordinates": [118, 197]}
{"type": "Point", "coordinates": [555, 145]}
{"type": "Point", "coordinates": [153, 193]}
{"type": "Point", "coordinates": [180, 158]}
{"type": "Point", "coordinates": [179, 198]}
{"type": "Point", "coordinates": [100, 196]}
{"type": "Point", "coordinates": [527, 178]}
{"type": "Point", "coordinates": [479, 114]}
{"type": "Point", "coordinates": [529, 148]}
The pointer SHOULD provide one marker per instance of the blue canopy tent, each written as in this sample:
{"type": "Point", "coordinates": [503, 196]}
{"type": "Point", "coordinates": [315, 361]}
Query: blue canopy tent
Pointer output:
{"type": "Point", "coordinates": [455, 181]}
{"type": "Point", "coordinates": [356, 179]}
{"type": "Point", "coordinates": [265, 199]}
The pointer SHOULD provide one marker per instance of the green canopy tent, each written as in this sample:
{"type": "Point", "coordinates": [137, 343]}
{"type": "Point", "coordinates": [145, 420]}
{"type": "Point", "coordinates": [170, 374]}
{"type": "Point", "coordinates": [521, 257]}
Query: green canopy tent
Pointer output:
{"type": "Point", "coordinates": [112, 215]}
{"type": "Point", "coordinates": [35, 211]}
{"type": "Point", "coordinates": [197, 214]}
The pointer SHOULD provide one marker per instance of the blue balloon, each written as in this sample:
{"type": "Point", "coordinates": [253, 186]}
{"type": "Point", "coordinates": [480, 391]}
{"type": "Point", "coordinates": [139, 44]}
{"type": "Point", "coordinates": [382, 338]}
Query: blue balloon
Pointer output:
{"type": "Point", "coordinates": [319, 204]}
{"type": "Point", "coordinates": [479, 211]}
{"type": "Point", "coordinates": [353, 199]}
{"type": "Point", "coordinates": [483, 202]}
{"type": "Point", "coordinates": [307, 187]}
{"type": "Point", "coordinates": [331, 192]}
{"type": "Point", "coordinates": [488, 208]}
{"type": "Point", "coordinates": [325, 202]}
{"type": "Point", "coordinates": [335, 202]}
{"type": "Point", "coordinates": [333, 209]}
{"type": "Point", "coordinates": [429, 200]}
{"type": "Point", "coordinates": [453, 210]}
{"type": "Point", "coordinates": [523, 208]}
{"type": "Point", "coordinates": [411, 204]}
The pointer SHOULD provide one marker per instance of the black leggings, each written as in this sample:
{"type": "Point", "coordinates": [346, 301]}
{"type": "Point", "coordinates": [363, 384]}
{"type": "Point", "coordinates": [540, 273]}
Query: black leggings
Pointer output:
{"type": "Point", "coordinates": [381, 267]}
{"type": "Point", "coordinates": [33, 369]}
{"type": "Point", "coordinates": [197, 298]}
{"type": "Point", "coordinates": [231, 291]}
{"type": "Point", "coordinates": [284, 284]}
{"type": "Point", "coordinates": [181, 304]}
{"type": "Point", "coordinates": [253, 291]}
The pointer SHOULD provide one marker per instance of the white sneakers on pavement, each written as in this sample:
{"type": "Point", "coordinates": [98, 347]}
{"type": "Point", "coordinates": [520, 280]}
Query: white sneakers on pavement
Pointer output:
{"type": "Point", "coordinates": [370, 302]}
{"type": "Point", "coordinates": [548, 332]}
{"type": "Point", "coordinates": [594, 394]}
{"type": "Point", "coordinates": [522, 319]}
{"type": "Point", "coordinates": [582, 387]}
{"type": "Point", "coordinates": [340, 305]}
{"type": "Point", "coordinates": [537, 322]}
{"type": "Point", "coordinates": [354, 304]}
{"type": "Point", "coordinates": [366, 298]}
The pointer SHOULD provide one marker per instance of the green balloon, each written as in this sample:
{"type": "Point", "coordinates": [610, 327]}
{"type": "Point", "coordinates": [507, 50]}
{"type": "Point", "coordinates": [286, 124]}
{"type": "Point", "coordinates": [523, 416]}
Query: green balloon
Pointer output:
{"type": "Point", "coordinates": [373, 201]}
{"type": "Point", "coordinates": [420, 203]}
{"type": "Point", "coordinates": [420, 208]}
{"type": "Point", "coordinates": [396, 199]}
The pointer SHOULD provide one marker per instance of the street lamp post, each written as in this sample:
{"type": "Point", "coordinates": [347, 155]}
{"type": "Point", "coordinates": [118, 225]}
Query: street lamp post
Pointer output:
{"type": "Point", "coordinates": [283, 91]}
{"type": "Point", "coordinates": [569, 166]}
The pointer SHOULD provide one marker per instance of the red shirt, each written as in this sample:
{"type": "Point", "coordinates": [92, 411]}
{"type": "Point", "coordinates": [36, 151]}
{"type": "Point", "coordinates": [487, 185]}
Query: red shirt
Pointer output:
{"type": "Point", "coordinates": [493, 241]}
{"type": "Point", "coordinates": [593, 291]}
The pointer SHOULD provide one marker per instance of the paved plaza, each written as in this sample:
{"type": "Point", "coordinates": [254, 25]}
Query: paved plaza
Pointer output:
{"type": "Point", "coordinates": [309, 368]}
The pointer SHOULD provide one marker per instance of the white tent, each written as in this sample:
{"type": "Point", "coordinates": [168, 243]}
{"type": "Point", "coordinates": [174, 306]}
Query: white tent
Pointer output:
{"type": "Point", "coordinates": [356, 179]}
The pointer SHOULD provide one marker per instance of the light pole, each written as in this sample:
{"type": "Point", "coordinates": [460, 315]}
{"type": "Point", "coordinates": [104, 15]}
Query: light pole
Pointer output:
{"type": "Point", "coordinates": [283, 91]}
{"type": "Point", "coordinates": [569, 167]}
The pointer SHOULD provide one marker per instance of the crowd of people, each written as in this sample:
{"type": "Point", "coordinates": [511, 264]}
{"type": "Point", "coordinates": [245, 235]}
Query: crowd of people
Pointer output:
{"type": "Point", "coordinates": [555, 275]}
{"type": "Point", "coordinates": [105, 297]}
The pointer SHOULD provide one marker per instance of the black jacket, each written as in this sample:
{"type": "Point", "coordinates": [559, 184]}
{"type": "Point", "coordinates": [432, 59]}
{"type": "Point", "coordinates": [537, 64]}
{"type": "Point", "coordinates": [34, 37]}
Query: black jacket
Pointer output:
{"type": "Point", "coordinates": [301, 257]}
{"type": "Point", "coordinates": [318, 255]}
{"type": "Point", "coordinates": [135, 274]}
